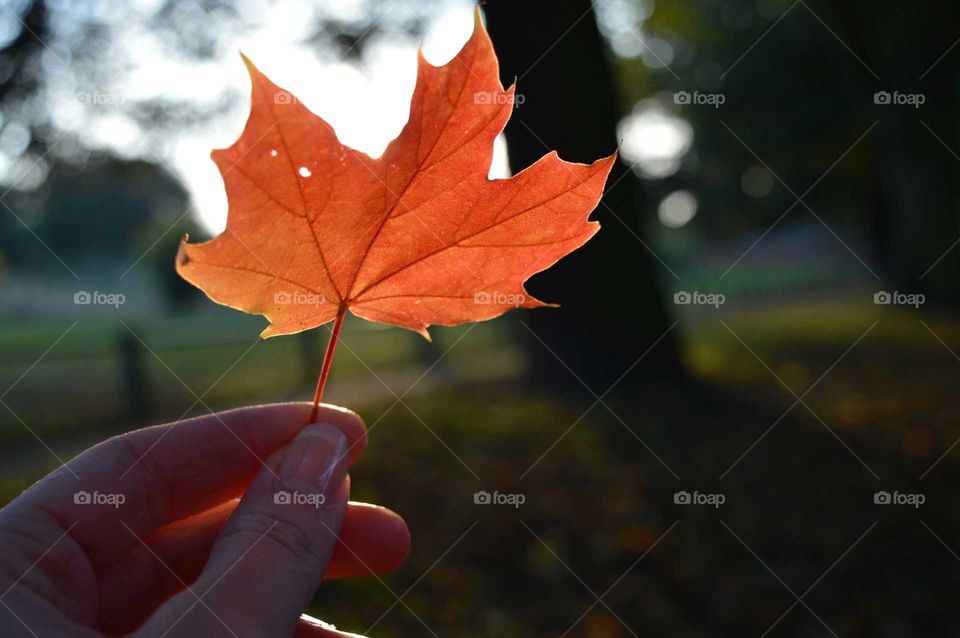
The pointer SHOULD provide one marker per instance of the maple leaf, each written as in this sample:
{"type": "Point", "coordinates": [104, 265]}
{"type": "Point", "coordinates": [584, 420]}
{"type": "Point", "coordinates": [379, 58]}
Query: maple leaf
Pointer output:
{"type": "Point", "coordinates": [416, 237]}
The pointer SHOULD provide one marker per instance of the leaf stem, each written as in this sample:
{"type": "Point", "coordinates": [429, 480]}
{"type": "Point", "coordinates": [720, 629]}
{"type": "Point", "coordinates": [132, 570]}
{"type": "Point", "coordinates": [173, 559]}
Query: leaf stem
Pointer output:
{"type": "Point", "coordinates": [327, 362]}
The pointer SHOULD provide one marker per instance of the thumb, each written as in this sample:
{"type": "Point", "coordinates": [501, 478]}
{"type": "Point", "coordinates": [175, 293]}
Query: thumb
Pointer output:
{"type": "Point", "coordinates": [272, 553]}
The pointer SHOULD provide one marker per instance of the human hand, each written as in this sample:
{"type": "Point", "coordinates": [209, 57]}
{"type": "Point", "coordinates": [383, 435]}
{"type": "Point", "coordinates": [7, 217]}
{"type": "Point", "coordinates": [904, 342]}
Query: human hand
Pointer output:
{"type": "Point", "coordinates": [220, 526]}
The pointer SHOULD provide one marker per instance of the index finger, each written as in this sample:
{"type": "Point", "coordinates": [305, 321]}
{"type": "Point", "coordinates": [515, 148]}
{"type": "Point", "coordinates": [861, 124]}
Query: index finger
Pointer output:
{"type": "Point", "coordinates": [168, 472]}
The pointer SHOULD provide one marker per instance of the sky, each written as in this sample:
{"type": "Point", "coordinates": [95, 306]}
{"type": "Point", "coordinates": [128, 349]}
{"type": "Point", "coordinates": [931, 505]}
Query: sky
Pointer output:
{"type": "Point", "coordinates": [365, 100]}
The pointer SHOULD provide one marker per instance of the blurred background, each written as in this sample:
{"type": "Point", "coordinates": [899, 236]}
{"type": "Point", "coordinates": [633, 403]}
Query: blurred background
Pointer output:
{"type": "Point", "coordinates": [743, 419]}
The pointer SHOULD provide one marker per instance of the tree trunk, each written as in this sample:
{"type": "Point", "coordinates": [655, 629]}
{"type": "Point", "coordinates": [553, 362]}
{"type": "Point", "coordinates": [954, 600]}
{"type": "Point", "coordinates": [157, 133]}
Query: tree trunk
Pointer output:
{"type": "Point", "coordinates": [914, 160]}
{"type": "Point", "coordinates": [612, 308]}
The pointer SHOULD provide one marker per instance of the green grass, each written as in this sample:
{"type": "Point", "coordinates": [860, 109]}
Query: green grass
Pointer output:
{"type": "Point", "coordinates": [899, 380]}
{"type": "Point", "coordinates": [594, 494]}
{"type": "Point", "coordinates": [81, 383]}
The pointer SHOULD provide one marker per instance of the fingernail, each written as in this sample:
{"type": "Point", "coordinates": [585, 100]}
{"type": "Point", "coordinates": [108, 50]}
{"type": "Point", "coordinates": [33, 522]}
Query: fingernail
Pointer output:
{"type": "Point", "coordinates": [317, 458]}
{"type": "Point", "coordinates": [331, 629]}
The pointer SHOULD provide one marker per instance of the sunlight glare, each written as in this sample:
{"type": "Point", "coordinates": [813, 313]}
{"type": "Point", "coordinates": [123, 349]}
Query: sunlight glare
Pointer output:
{"type": "Point", "coordinates": [367, 103]}
{"type": "Point", "coordinates": [653, 140]}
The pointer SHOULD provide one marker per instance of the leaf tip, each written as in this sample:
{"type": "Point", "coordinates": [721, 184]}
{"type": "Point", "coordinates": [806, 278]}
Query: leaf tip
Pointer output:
{"type": "Point", "coordinates": [268, 332]}
{"type": "Point", "coordinates": [532, 302]}
{"type": "Point", "coordinates": [247, 62]}
{"type": "Point", "coordinates": [606, 163]}
{"type": "Point", "coordinates": [182, 258]}
{"type": "Point", "coordinates": [255, 75]}
{"type": "Point", "coordinates": [511, 90]}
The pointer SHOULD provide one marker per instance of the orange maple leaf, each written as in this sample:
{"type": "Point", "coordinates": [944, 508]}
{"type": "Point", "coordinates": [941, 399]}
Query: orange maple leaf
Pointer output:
{"type": "Point", "coordinates": [416, 237]}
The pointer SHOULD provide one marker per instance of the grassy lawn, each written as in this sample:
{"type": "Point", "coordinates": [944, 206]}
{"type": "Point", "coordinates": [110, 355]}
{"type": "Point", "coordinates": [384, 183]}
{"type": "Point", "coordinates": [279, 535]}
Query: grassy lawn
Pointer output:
{"type": "Point", "coordinates": [897, 382]}
{"type": "Point", "coordinates": [599, 510]}
{"type": "Point", "coordinates": [218, 358]}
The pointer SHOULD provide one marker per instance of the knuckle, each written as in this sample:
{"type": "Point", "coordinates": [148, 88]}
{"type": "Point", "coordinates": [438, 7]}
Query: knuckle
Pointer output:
{"type": "Point", "coordinates": [289, 536]}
